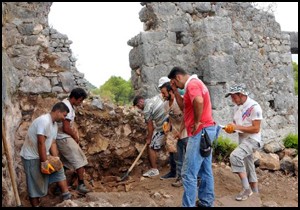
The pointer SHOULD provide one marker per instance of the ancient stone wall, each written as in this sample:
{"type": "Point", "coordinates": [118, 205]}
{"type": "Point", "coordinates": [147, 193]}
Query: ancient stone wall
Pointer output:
{"type": "Point", "coordinates": [36, 60]}
{"type": "Point", "coordinates": [223, 43]}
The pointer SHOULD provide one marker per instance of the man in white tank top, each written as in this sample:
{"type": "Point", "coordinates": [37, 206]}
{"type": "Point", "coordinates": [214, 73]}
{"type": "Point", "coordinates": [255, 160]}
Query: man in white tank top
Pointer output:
{"type": "Point", "coordinates": [71, 154]}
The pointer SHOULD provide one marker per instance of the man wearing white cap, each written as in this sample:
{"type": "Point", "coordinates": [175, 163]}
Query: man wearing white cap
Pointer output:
{"type": "Point", "coordinates": [247, 120]}
{"type": "Point", "coordinates": [177, 131]}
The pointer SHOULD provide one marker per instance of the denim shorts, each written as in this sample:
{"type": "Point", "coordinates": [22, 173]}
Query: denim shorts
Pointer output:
{"type": "Point", "coordinates": [37, 183]}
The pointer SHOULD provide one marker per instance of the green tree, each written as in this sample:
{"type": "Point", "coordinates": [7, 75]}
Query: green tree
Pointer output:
{"type": "Point", "coordinates": [116, 90]}
{"type": "Point", "coordinates": [295, 69]}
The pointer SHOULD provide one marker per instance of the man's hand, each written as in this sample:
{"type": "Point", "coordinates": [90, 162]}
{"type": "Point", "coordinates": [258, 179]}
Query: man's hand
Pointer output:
{"type": "Point", "coordinates": [229, 128]}
{"type": "Point", "coordinates": [47, 168]}
{"type": "Point", "coordinates": [195, 127]}
{"type": "Point", "coordinates": [148, 141]}
{"type": "Point", "coordinates": [166, 127]}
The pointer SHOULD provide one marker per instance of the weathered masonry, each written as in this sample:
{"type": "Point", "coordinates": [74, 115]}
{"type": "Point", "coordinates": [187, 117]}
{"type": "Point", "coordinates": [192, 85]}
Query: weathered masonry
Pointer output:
{"type": "Point", "coordinates": [223, 43]}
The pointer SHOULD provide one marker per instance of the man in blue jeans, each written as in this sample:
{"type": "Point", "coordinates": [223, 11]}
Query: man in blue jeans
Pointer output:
{"type": "Point", "coordinates": [178, 132]}
{"type": "Point", "coordinates": [197, 108]}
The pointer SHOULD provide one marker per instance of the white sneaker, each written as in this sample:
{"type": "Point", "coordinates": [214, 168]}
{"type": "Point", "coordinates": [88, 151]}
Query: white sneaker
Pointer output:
{"type": "Point", "coordinates": [244, 195]}
{"type": "Point", "coordinates": [151, 172]}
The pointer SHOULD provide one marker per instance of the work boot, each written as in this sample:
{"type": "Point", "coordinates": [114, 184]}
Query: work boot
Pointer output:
{"type": "Point", "coordinates": [169, 175]}
{"type": "Point", "coordinates": [82, 188]}
{"type": "Point", "coordinates": [177, 183]}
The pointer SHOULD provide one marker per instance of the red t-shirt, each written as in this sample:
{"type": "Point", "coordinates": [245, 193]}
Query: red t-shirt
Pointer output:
{"type": "Point", "coordinates": [195, 88]}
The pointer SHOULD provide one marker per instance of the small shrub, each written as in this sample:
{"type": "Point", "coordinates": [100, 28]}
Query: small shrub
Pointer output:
{"type": "Point", "coordinates": [222, 149]}
{"type": "Point", "coordinates": [291, 141]}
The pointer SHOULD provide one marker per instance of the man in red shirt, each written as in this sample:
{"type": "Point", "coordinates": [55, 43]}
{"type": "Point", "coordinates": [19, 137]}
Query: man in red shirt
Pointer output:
{"type": "Point", "coordinates": [201, 129]}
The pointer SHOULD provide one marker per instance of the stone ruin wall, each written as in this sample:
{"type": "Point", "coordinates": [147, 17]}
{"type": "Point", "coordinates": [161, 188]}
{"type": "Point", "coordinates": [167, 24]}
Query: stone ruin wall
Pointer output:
{"type": "Point", "coordinates": [211, 40]}
{"type": "Point", "coordinates": [37, 63]}
{"type": "Point", "coordinates": [223, 43]}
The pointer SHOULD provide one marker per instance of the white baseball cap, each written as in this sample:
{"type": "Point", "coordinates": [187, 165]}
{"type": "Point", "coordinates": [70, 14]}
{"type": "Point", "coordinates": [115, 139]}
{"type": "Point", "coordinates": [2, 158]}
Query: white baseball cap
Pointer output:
{"type": "Point", "coordinates": [162, 81]}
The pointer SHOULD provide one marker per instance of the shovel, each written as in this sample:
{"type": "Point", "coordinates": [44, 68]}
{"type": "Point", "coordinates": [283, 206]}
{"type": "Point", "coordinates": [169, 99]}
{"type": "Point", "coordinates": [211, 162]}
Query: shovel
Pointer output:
{"type": "Point", "coordinates": [133, 164]}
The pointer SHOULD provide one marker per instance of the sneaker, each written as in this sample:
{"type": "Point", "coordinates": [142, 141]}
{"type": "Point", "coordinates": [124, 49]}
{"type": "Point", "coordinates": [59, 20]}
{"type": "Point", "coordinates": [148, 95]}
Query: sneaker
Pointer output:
{"type": "Point", "coordinates": [244, 195]}
{"type": "Point", "coordinates": [82, 188]}
{"type": "Point", "coordinates": [66, 196]}
{"type": "Point", "coordinates": [151, 172]}
{"type": "Point", "coordinates": [169, 175]}
{"type": "Point", "coordinates": [177, 183]}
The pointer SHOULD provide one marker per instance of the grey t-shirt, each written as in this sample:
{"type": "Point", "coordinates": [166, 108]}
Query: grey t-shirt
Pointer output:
{"type": "Point", "coordinates": [154, 110]}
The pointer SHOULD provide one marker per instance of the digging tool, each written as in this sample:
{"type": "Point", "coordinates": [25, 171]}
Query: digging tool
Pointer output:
{"type": "Point", "coordinates": [10, 166]}
{"type": "Point", "coordinates": [133, 164]}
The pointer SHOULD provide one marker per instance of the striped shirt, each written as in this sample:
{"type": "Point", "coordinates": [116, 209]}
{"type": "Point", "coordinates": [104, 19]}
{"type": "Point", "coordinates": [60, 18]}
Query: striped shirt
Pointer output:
{"type": "Point", "coordinates": [154, 110]}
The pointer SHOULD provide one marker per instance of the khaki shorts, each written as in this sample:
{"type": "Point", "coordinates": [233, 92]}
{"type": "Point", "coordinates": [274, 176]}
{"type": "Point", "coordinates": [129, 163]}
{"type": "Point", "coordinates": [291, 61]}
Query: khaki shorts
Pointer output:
{"type": "Point", "coordinates": [71, 154]}
{"type": "Point", "coordinates": [242, 160]}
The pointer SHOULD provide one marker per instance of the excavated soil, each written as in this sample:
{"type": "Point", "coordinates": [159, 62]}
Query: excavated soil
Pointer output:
{"type": "Point", "coordinates": [276, 189]}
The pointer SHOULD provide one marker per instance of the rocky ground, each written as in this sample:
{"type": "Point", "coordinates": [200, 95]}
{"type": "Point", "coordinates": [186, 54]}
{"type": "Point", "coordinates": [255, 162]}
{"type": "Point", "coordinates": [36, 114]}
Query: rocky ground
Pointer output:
{"type": "Point", "coordinates": [276, 189]}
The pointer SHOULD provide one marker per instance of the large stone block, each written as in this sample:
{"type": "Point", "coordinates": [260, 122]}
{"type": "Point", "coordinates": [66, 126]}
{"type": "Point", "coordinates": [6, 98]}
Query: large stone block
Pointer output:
{"type": "Point", "coordinates": [35, 85]}
{"type": "Point", "coordinates": [150, 37]}
{"type": "Point", "coordinates": [216, 68]}
{"type": "Point", "coordinates": [217, 93]}
{"type": "Point", "coordinates": [211, 26]}
{"type": "Point", "coordinates": [209, 45]}
{"type": "Point", "coordinates": [136, 57]}
{"type": "Point", "coordinates": [178, 24]}
{"type": "Point", "coordinates": [67, 81]}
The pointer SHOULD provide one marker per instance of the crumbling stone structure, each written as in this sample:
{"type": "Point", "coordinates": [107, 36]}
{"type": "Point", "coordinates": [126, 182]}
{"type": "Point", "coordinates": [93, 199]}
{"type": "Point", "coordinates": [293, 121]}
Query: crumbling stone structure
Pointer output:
{"type": "Point", "coordinates": [37, 63]}
{"type": "Point", "coordinates": [223, 43]}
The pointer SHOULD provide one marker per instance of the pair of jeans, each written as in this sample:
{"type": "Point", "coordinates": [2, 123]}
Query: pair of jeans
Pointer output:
{"type": "Point", "coordinates": [195, 165]}
{"type": "Point", "coordinates": [181, 148]}
{"type": "Point", "coordinates": [176, 159]}
{"type": "Point", "coordinates": [172, 162]}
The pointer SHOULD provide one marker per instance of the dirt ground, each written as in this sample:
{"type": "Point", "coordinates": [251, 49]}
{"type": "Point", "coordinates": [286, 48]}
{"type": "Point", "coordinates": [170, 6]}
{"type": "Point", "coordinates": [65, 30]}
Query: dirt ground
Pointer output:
{"type": "Point", "coordinates": [276, 189]}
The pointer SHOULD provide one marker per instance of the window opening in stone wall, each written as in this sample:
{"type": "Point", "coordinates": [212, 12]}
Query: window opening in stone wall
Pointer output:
{"type": "Point", "coordinates": [272, 104]}
{"type": "Point", "coordinates": [179, 36]}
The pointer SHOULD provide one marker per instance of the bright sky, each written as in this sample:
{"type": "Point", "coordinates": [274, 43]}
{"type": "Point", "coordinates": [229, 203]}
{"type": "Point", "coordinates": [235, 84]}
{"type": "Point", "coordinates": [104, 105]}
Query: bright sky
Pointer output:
{"type": "Point", "coordinates": [100, 31]}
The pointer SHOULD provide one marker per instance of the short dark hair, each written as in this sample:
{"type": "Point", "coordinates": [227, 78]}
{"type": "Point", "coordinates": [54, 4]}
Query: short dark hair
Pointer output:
{"type": "Point", "coordinates": [175, 71]}
{"type": "Point", "coordinates": [137, 99]}
{"type": "Point", "coordinates": [60, 106]}
{"type": "Point", "coordinates": [78, 93]}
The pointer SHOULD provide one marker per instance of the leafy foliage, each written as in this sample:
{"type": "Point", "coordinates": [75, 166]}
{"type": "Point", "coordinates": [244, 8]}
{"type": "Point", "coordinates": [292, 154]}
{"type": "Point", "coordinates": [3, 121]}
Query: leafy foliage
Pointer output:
{"type": "Point", "coordinates": [295, 69]}
{"type": "Point", "coordinates": [116, 90]}
{"type": "Point", "coordinates": [222, 149]}
{"type": "Point", "coordinates": [291, 141]}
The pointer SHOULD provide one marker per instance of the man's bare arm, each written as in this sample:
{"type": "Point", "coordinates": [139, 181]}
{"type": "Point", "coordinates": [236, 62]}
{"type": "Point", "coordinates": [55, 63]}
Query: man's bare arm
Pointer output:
{"type": "Point", "coordinates": [42, 148]}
